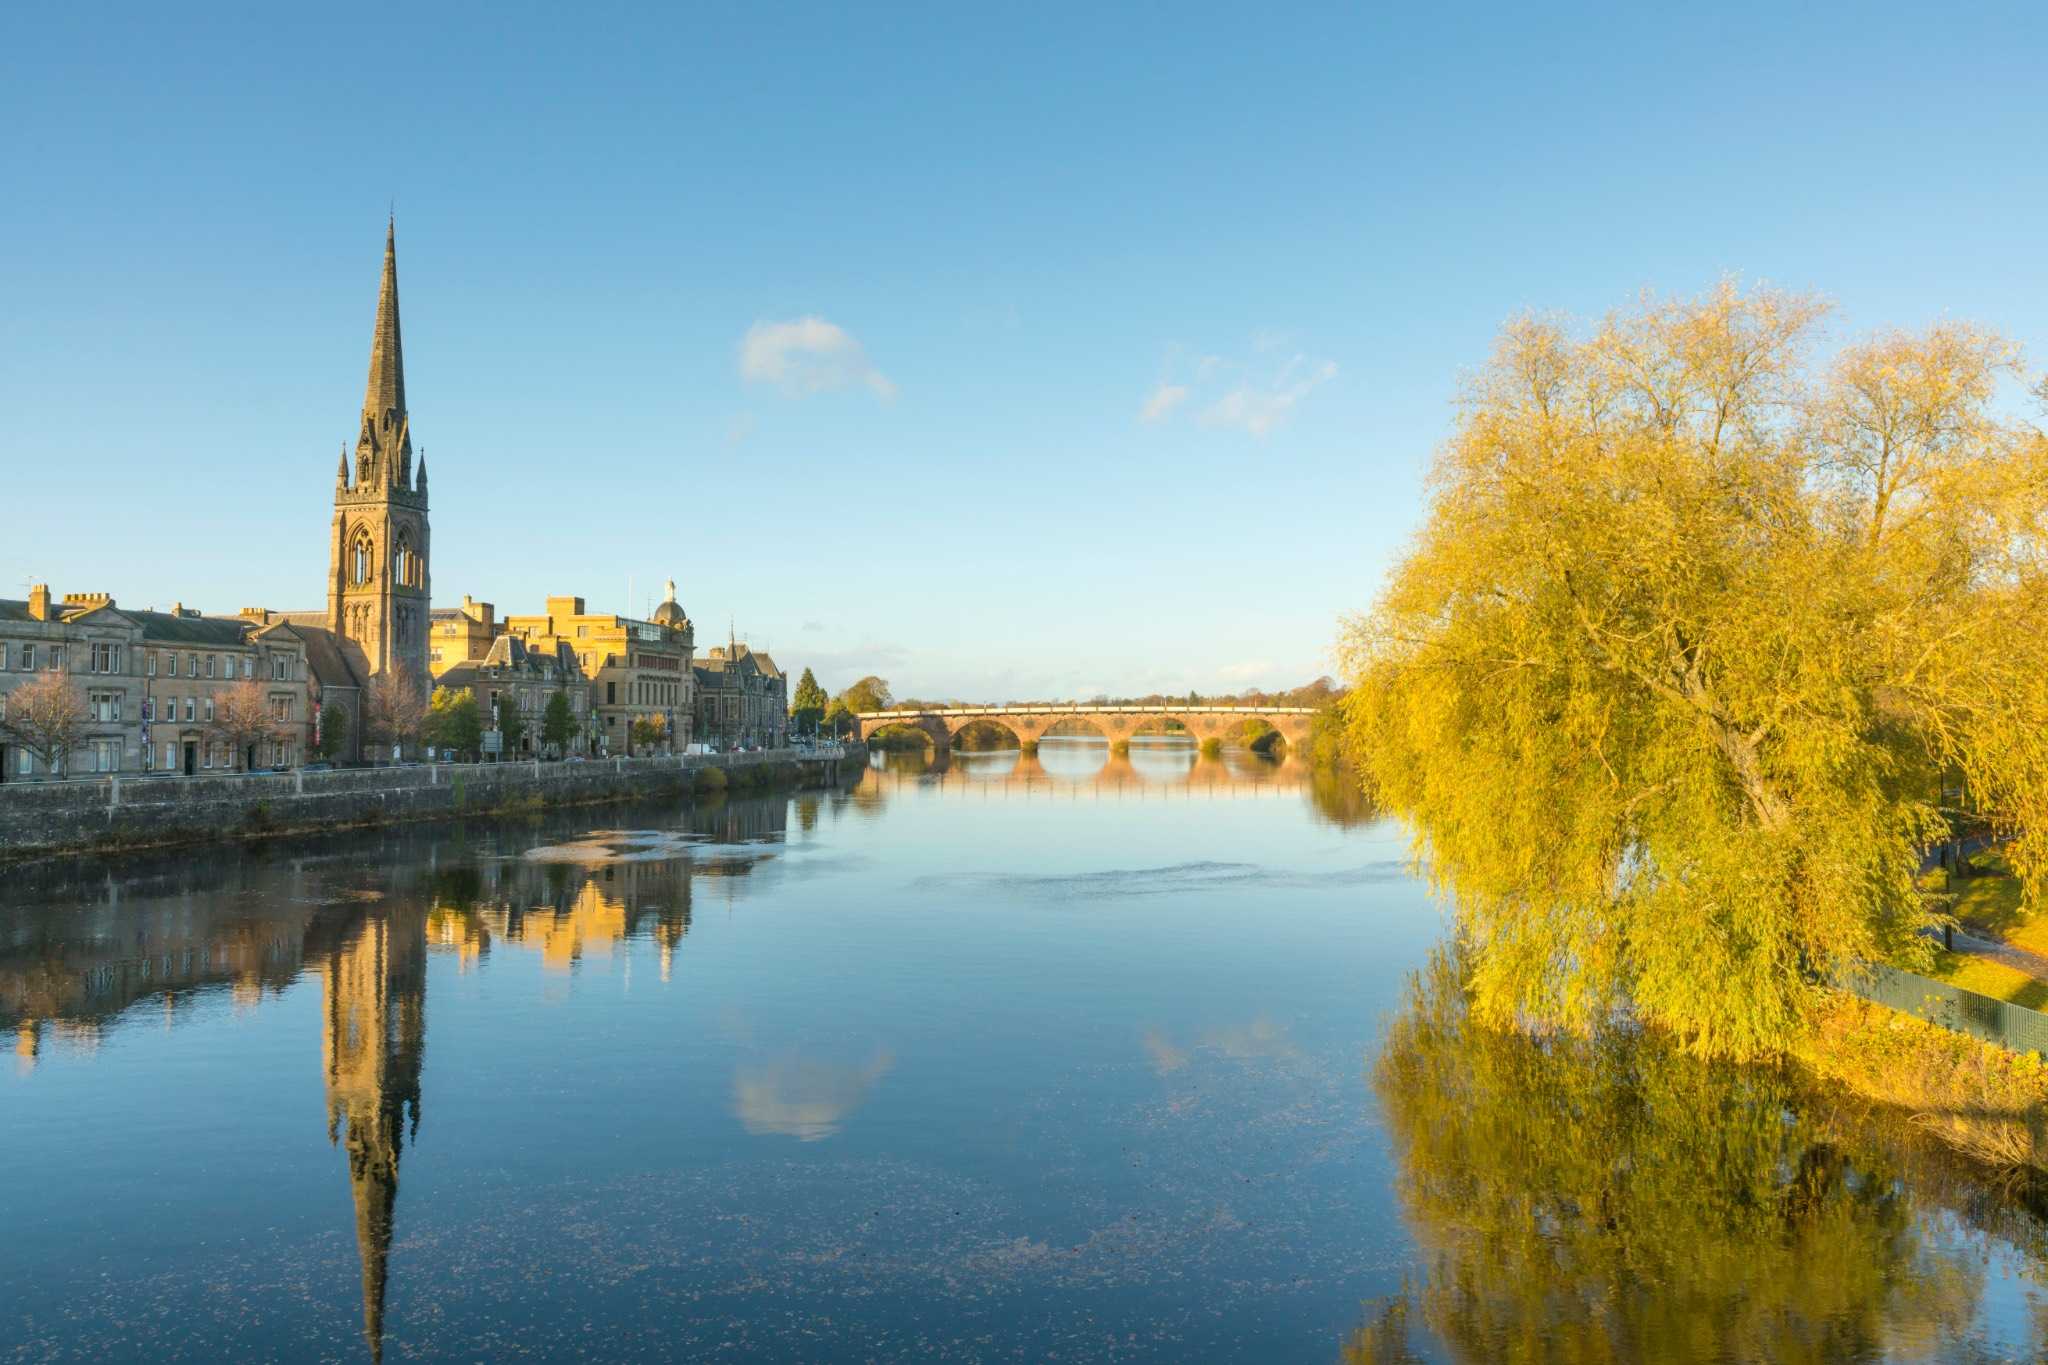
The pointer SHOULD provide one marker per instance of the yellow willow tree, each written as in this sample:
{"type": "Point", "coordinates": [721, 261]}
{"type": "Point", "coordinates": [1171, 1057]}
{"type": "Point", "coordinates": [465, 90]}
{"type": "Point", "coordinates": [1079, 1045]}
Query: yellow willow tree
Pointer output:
{"type": "Point", "coordinates": [1693, 642]}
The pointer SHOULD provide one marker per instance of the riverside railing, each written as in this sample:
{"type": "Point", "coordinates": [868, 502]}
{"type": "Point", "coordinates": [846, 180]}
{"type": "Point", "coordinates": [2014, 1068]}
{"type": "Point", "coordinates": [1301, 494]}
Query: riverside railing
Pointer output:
{"type": "Point", "coordinates": [2011, 1026]}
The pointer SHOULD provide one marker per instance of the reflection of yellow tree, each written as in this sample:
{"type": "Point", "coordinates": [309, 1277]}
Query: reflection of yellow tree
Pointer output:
{"type": "Point", "coordinates": [1609, 1199]}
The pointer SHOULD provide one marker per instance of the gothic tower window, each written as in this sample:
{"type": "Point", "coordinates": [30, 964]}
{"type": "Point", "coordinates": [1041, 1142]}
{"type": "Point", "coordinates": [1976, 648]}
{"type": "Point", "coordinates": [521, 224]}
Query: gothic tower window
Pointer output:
{"type": "Point", "coordinates": [405, 563]}
{"type": "Point", "coordinates": [361, 560]}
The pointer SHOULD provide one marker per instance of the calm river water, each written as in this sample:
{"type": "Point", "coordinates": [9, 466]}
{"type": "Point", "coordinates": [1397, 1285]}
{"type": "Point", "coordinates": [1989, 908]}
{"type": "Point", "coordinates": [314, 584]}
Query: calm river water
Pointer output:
{"type": "Point", "coordinates": [1075, 1058]}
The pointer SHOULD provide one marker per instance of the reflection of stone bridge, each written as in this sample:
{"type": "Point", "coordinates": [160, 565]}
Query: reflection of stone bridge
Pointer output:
{"type": "Point", "coordinates": [1114, 723]}
{"type": "Point", "coordinates": [1154, 775]}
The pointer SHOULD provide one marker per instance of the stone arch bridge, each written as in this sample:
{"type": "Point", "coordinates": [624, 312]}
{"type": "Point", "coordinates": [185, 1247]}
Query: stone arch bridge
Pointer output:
{"type": "Point", "coordinates": [1115, 723]}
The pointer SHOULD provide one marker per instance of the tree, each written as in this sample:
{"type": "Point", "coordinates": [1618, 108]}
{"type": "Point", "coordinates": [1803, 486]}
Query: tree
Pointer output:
{"type": "Point", "coordinates": [869, 694]}
{"type": "Point", "coordinates": [394, 708]}
{"type": "Point", "coordinates": [807, 705]}
{"type": "Point", "coordinates": [46, 716]}
{"type": "Point", "coordinates": [649, 732]}
{"type": "Point", "coordinates": [1672, 683]}
{"type": "Point", "coordinates": [242, 720]}
{"type": "Point", "coordinates": [557, 724]}
{"type": "Point", "coordinates": [333, 731]}
{"type": "Point", "coordinates": [838, 719]}
{"type": "Point", "coordinates": [454, 721]}
{"type": "Point", "coordinates": [511, 724]}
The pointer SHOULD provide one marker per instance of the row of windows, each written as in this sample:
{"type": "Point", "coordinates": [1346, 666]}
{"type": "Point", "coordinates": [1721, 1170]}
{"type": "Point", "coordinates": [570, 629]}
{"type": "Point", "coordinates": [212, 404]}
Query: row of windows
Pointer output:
{"type": "Point", "coordinates": [534, 700]}
{"type": "Point", "coordinates": [104, 756]}
{"type": "Point", "coordinates": [657, 692]}
{"type": "Point", "coordinates": [276, 753]}
{"type": "Point", "coordinates": [106, 658]}
{"type": "Point", "coordinates": [165, 712]}
{"type": "Point", "coordinates": [26, 654]}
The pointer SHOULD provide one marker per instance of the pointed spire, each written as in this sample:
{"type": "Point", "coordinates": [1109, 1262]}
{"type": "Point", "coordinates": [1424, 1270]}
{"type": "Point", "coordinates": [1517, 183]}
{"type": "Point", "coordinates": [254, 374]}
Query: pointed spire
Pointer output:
{"type": "Point", "coordinates": [419, 483]}
{"type": "Point", "coordinates": [384, 394]}
{"type": "Point", "coordinates": [341, 474]}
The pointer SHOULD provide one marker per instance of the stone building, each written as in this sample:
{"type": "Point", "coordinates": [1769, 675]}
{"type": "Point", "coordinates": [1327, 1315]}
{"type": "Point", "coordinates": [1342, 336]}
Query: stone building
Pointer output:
{"type": "Point", "coordinates": [742, 699]}
{"type": "Point", "coordinates": [154, 686]}
{"type": "Point", "coordinates": [527, 677]}
{"type": "Point", "coordinates": [460, 634]}
{"type": "Point", "coordinates": [190, 665]}
{"type": "Point", "coordinates": [87, 640]}
{"type": "Point", "coordinates": [638, 670]}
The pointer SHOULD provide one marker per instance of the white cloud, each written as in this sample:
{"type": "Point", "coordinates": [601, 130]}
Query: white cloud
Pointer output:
{"type": "Point", "coordinates": [1247, 671]}
{"type": "Point", "coordinates": [809, 355]}
{"type": "Point", "coordinates": [1164, 400]}
{"type": "Point", "coordinates": [1254, 396]}
{"type": "Point", "coordinates": [1259, 409]}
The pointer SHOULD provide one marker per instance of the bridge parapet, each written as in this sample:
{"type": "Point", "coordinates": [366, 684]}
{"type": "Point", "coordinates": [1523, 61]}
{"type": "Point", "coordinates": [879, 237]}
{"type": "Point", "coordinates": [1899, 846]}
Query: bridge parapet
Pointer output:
{"type": "Point", "coordinates": [1030, 722]}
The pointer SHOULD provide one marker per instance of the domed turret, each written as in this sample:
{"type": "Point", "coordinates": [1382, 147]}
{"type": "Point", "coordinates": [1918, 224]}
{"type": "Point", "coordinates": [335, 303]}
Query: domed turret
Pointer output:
{"type": "Point", "coordinates": [670, 612]}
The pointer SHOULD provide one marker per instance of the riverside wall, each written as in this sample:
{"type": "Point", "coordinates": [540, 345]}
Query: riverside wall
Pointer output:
{"type": "Point", "coordinates": [116, 813]}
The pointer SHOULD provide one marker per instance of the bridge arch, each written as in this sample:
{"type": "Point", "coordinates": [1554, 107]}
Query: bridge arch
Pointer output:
{"type": "Point", "coordinates": [1081, 726]}
{"type": "Point", "coordinates": [956, 733]}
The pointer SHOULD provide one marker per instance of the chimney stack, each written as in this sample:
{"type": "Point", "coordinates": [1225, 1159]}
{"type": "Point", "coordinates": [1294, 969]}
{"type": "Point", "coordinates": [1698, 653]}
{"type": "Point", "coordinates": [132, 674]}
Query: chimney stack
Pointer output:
{"type": "Point", "coordinates": [39, 602]}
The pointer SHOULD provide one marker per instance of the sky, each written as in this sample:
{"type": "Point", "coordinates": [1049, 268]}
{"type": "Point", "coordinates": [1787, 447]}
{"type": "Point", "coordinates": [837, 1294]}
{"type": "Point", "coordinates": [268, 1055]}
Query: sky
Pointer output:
{"type": "Point", "coordinates": [1005, 352]}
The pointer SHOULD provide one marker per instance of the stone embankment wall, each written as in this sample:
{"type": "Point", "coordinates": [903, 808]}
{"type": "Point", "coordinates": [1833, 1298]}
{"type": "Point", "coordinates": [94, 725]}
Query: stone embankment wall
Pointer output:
{"type": "Point", "coordinates": [115, 813]}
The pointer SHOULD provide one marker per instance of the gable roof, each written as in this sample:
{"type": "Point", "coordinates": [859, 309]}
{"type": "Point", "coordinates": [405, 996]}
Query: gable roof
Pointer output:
{"type": "Point", "coordinates": [326, 659]}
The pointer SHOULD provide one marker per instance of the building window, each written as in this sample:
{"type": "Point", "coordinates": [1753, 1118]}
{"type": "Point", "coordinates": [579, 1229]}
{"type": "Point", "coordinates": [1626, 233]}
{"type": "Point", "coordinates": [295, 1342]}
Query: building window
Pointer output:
{"type": "Point", "coordinates": [106, 658]}
{"type": "Point", "coordinates": [106, 755]}
{"type": "Point", "coordinates": [360, 561]}
{"type": "Point", "coordinates": [209, 710]}
{"type": "Point", "coordinates": [211, 660]}
{"type": "Point", "coordinates": [191, 665]}
{"type": "Point", "coordinates": [57, 658]}
{"type": "Point", "coordinates": [28, 658]}
{"type": "Point", "coordinates": [104, 707]}
{"type": "Point", "coordinates": [191, 710]}
{"type": "Point", "coordinates": [149, 662]}
{"type": "Point", "coordinates": [280, 706]}
{"type": "Point", "coordinates": [248, 667]}
{"type": "Point", "coordinates": [170, 755]}
{"type": "Point", "coordinates": [3, 656]}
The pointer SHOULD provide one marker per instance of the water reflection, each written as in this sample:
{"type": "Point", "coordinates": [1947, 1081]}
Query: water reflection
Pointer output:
{"type": "Point", "coordinates": [1612, 1200]}
{"type": "Point", "coordinates": [79, 957]}
{"type": "Point", "coordinates": [373, 1041]}
{"type": "Point", "coordinates": [803, 1097]}
{"type": "Point", "coordinates": [1152, 768]}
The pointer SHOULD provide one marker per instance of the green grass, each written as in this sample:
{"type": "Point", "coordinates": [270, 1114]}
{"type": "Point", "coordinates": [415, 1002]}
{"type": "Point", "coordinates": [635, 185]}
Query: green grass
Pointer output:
{"type": "Point", "coordinates": [1990, 900]}
{"type": "Point", "coordinates": [1990, 904]}
{"type": "Point", "coordinates": [1987, 977]}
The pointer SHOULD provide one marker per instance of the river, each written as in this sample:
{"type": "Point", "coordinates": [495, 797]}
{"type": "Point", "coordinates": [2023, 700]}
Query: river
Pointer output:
{"type": "Point", "coordinates": [1075, 1057]}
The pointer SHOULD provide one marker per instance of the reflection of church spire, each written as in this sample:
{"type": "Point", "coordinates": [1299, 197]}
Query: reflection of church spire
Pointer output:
{"type": "Point", "coordinates": [373, 1044]}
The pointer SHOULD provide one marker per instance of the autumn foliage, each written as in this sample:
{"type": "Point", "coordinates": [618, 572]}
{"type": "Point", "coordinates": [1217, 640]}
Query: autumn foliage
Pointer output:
{"type": "Point", "coordinates": [1699, 647]}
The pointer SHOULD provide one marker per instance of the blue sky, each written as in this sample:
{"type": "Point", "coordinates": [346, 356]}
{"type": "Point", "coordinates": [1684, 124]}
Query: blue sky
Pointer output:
{"type": "Point", "coordinates": [1004, 354]}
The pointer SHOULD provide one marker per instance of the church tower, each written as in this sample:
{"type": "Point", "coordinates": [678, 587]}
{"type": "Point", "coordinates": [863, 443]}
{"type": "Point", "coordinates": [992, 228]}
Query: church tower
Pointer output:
{"type": "Point", "coordinates": [377, 582]}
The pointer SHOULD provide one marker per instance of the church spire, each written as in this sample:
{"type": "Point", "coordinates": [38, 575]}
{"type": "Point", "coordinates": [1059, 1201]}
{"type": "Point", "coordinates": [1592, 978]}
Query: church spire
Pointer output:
{"type": "Point", "coordinates": [384, 395]}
